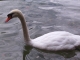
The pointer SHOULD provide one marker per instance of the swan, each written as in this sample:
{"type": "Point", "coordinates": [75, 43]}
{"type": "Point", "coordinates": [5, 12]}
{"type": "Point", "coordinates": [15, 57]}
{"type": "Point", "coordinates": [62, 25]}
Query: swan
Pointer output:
{"type": "Point", "coordinates": [52, 41]}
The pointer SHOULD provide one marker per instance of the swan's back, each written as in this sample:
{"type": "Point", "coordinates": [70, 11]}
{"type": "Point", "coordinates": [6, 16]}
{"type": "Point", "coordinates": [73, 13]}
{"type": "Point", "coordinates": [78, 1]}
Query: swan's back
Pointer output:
{"type": "Point", "coordinates": [59, 40]}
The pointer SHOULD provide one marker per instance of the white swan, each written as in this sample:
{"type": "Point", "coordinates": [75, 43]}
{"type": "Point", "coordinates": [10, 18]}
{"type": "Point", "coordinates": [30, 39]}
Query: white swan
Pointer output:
{"type": "Point", "coordinates": [53, 41]}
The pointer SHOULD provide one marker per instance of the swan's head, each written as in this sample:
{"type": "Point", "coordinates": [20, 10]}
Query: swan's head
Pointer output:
{"type": "Point", "coordinates": [12, 14]}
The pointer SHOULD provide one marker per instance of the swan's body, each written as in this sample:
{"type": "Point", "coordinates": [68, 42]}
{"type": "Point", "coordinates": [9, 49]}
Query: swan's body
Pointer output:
{"type": "Point", "coordinates": [53, 41]}
{"type": "Point", "coordinates": [57, 41]}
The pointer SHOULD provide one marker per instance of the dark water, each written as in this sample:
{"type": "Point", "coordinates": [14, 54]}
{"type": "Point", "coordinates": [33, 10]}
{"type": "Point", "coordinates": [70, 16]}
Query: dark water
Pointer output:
{"type": "Point", "coordinates": [41, 17]}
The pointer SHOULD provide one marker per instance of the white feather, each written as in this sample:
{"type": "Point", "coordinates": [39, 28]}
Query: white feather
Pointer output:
{"type": "Point", "coordinates": [58, 40]}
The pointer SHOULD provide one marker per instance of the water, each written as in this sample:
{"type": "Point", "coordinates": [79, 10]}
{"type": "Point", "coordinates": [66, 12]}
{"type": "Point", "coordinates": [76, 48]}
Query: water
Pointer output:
{"type": "Point", "coordinates": [42, 16]}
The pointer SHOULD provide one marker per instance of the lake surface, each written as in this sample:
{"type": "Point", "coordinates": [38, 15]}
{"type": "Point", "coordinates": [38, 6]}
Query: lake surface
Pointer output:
{"type": "Point", "coordinates": [41, 17]}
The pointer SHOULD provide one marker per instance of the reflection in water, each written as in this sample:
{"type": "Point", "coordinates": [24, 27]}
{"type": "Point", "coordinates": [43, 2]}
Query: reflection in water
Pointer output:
{"type": "Point", "coordinates": [26, 51]}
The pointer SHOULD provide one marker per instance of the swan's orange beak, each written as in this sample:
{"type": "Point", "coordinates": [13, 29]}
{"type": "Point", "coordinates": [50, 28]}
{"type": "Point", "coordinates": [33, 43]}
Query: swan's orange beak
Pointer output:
{"type": "Point", "coordinates": [7, 19]}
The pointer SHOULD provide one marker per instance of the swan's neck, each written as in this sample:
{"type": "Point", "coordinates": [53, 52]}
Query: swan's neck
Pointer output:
{"type": "Point", "coordinates": [25, 30]}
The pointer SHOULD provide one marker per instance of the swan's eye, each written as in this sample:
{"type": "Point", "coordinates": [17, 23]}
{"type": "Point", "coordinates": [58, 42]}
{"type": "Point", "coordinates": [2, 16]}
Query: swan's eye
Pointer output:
{"type": "Point", "coordinates": [10, 15]}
